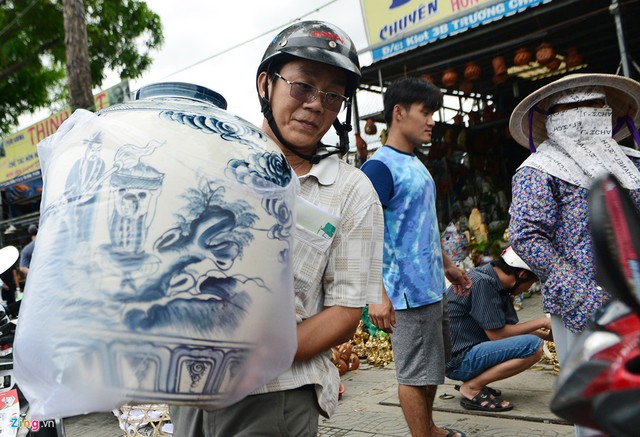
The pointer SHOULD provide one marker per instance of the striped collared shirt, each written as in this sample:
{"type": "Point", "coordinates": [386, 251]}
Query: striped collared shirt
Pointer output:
{"type": "Point", "coordinates": [341, 266]}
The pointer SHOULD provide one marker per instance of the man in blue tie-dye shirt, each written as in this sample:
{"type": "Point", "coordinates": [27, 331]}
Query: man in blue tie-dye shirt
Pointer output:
{"type": "Point", "coordinates": [414, 266]}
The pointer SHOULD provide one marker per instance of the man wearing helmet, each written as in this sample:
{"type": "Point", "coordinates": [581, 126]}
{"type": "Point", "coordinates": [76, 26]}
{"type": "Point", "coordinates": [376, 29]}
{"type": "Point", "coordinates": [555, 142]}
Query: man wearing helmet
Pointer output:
{"type": "Point", "coordinates": [308, 74]}
{"type": "Point", "coordinates": [488, 343]}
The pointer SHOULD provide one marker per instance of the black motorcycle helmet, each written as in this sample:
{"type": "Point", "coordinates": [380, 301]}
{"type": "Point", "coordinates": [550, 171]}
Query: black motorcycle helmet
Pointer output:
{"type": "Point", "coordinates": [315, 41]}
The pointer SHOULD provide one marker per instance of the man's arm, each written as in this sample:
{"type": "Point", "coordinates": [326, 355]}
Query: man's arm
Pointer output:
{"type": "Point", "coordinates": [540, 327]}
{"type": "Point", "coordinates": [331, 326]}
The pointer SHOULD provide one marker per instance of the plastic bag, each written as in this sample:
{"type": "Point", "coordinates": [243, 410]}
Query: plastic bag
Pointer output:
{"type": "Point", "coordinates": [161, 270]}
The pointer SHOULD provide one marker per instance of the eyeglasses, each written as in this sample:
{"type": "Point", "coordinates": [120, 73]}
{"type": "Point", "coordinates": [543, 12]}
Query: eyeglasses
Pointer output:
{"type": "Point", "coordinates": [308, 93]}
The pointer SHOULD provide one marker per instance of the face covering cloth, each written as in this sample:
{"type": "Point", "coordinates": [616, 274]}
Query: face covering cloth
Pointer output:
{"type": "Point", "coordinates": [580, 148]}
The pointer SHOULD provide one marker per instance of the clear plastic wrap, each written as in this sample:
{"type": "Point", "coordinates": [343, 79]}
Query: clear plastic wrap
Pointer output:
{"type": "Point", "coordinates": [161, 271]}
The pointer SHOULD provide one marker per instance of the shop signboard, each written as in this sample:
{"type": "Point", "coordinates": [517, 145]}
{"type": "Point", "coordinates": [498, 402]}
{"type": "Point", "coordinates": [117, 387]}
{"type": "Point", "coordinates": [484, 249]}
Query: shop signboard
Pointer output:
{"type": "Point", "coordinates": [396, 26]}
{"type": "Point", "coordinates": [18, 158]}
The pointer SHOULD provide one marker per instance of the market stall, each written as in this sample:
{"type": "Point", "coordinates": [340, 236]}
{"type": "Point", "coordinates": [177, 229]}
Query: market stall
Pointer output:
{"type": "Point", "coordinates": [486, 56]}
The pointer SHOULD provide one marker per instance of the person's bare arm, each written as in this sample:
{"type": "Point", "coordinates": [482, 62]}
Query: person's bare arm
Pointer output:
{"type": "Point", "coordinates": [330, 327]}
{"type": "Point", "coordinates": [540, 327]}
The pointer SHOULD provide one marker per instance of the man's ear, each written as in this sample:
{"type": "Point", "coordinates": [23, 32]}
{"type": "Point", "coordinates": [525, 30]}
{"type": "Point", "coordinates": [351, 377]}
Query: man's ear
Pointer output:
{"type": "Point", "coordinates": [262, 80]}
{"type": "Point", "coordinates": [398, 111]}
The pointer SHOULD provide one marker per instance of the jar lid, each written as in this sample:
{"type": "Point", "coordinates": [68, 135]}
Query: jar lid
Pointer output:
{"type": "Point", "coordinates": [181, 90]}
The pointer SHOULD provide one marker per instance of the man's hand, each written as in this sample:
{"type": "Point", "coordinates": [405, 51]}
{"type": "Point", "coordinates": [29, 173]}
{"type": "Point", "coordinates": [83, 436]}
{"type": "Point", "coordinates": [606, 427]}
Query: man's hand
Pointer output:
{"type": "Point", "coordinates": [459, 279]}
{"type": "Point", "coordinates": [383, 315]}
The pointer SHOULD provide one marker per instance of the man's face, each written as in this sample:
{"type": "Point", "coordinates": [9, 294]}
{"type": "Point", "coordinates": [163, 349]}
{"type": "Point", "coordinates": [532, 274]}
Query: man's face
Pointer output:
{"type": "Point", "coordinates": [417, 124]}
{"type": "Point", "coordinates": [525, 285]}
{"type": "Point", "coordinates": [303, 124]}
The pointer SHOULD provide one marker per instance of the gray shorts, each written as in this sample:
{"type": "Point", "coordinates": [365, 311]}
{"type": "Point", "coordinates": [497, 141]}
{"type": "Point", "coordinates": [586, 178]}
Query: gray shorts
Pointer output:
{"type": "Point", "coordinates": [289, 413]}
{"type": "Point", "coordinates": [421, 343]}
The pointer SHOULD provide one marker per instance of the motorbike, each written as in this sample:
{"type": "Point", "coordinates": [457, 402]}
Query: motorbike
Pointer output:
{"type": "Point", "coordinates": [599, 387]}
{"type": "Point", "coordinates": [14, 409]}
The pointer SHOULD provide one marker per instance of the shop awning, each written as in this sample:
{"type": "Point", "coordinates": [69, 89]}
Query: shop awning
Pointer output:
{"type": "Point", "coordinates": [587, 28]}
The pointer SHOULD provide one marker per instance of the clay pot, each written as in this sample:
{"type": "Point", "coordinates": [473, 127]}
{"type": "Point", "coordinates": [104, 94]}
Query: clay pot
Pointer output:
{"type": "Point", "coordinates": [335, 355]}
{"type": "Point", "coordinates": [345, 350]}
{"type": "Point", "coordinates": [499, 79]}
{"type": "Point", "coordinates": [545, 53]}
{"type": "Point", "coordinates": [573, 58]}
{"type": "Point", "coordinates": [361, 146]}
{"type": "Point", "coordinates": [449, 77]}
{"type": "Point", "coordinates": [472, 71]}
{"type": "Point", "coordinates": [499, 65]}
{"type": "Point", "coordinates": [342, 366]}
{"type": "Point", "coordinates": [522, 57]}
{"type": "Point", "coordinates": [553, 64]}
{"type": "Point", "coordinates": [428, 78]}
{"type": "Point", "coordinates": [466, 86]}
{"type": "Point", "coordinates": [370, 127]}
{"type": "Point", "coordinates": [354, 362]}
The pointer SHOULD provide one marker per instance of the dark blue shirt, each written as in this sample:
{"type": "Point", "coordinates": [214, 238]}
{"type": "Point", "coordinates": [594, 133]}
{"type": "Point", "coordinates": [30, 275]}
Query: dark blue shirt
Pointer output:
{"type": "Point", "coordinates": [487, 307]}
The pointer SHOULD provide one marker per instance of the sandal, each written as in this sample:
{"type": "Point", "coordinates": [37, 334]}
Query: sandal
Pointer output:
{"type": "Point", "coordinates": [494, 391]}
{"type": "Point", "coordinates": [484, 401]}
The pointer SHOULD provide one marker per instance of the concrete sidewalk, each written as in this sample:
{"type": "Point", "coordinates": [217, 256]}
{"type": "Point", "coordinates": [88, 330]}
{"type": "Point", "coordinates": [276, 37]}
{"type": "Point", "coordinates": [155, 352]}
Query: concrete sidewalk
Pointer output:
{"type": "Point", "coordinates": [370, 406]}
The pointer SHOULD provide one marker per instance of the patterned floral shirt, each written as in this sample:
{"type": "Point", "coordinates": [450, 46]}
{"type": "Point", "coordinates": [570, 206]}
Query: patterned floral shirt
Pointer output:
{"type": "Point", "coordinates": [549, 230]}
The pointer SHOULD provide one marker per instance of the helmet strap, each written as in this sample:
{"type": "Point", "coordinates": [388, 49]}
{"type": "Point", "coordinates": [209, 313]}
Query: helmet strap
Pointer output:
{"type": "Point", "coordinates": [520, 281]}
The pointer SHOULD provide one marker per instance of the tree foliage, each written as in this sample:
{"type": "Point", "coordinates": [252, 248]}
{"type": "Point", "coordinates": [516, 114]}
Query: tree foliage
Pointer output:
{"type": "Point", "coordinates": [121, 35]}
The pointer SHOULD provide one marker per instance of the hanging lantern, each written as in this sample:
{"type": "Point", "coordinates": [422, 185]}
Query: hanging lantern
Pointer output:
{"type": "Point", "coordinates": [499, 79]}
{"type": "Point", "coordinates": [466, 86]}
{"type": "Point", "coordinates": [449, 77]}
{"type": "Point", "coordinates": [573, 58]}
{"type": "Point", "coordinates": [472, 71]}
{"type": "Point", "coordinates": [428, 78]}
{"type": "Point", "coordinates": [370, 127]}
{"type": "Point", "coordinates": [499, 65]}
{"type": "Point", "coordinates": [361, 146]}
{"type": "Point", "coordinates": [545, 53]}
{"type": "Point", "coordinates": [522, 57]}
{"type": "Point", "coordinates": [553, 64]}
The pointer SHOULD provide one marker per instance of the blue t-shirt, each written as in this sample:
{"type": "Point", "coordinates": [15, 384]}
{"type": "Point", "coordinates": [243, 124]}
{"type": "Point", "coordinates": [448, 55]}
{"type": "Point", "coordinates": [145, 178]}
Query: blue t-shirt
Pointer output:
{"type": "Point", "coordinates": [413, 272]}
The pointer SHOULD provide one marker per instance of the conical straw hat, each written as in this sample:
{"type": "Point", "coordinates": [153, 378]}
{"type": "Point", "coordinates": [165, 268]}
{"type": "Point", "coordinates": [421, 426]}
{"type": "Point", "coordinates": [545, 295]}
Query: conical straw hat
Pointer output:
{"type": "Point", "coordinates": [623, 96]}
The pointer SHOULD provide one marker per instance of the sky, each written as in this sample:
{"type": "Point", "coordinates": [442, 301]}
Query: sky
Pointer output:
{"type": "Point", "coordinates": [200, 36]}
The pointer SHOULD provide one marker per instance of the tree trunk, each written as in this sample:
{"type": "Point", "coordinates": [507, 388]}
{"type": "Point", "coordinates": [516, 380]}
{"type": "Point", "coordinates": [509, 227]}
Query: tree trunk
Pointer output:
{"type": "Point", "coordinates": [78, 70]}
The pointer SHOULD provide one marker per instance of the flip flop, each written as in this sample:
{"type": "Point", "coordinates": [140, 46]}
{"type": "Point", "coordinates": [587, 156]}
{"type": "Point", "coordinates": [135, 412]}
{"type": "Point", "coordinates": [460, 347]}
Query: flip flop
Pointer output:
{"type": "Point", "coordinates": [493, 391]}
{"type": "Point", "coordinates": [492, 403]}
{"type": "Point", "coordinates": [451, 432]}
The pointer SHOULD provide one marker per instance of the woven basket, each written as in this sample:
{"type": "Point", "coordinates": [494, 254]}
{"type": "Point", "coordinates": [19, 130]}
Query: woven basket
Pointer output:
{"type": "Point", "coordinates": [143, 420]}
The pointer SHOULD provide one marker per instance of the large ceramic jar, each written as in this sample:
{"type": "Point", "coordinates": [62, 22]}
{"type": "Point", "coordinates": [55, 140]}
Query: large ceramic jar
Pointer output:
{"type": "Point", "coordinates": [162, 267]}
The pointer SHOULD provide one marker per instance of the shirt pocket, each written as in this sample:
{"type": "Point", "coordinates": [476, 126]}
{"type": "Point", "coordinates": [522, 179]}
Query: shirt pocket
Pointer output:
{"type": "Point", "coordinates": [311, 254]}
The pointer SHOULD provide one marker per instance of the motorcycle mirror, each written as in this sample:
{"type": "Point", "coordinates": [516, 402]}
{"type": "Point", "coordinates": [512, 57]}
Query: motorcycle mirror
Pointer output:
{"type": "Point", "coordinates": [612, 217]}
{"type": "Point", "coordinates": [8, 256]}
